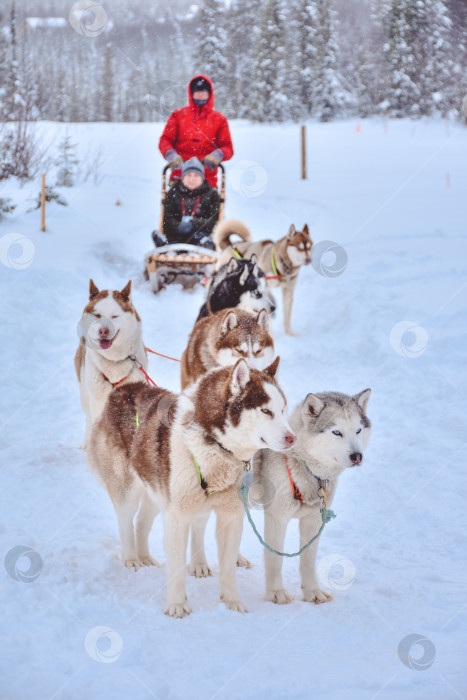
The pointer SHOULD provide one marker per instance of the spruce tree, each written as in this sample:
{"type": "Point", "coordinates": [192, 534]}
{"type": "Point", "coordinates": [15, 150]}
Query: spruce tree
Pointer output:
{"type": "Point", "coordinates": [209, 56]}
{"type": "Point", "coordinates": [268, 101]}
{"type": "Point", "coordinates": [330, 98]}
{"type": "Point", "coordinates": [108, 79]}
{"type": "Point", "coordinates": [402, 93]}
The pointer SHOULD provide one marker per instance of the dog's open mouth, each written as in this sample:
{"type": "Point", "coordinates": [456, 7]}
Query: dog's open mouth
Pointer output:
{"type": "Point", "coordinates": [106, 343]}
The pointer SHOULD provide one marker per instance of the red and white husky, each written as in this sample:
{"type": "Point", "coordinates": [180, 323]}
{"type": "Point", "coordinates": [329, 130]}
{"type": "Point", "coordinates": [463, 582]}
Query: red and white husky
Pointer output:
{"type": "Point", "coordinates": [185, 454]}
{"type": "Point", "coordinates": [111, 349]}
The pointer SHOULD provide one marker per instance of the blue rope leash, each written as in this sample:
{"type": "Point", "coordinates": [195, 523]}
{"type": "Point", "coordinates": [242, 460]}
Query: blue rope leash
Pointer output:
{"type": "Point", "coordinates": [326, 516]}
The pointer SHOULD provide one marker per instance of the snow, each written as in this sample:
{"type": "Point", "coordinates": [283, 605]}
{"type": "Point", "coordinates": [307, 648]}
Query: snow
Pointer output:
{"type": "Point", "coordinates": [394, 320]}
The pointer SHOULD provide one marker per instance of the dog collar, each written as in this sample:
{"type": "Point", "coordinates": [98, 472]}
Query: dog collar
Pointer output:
{"type": "Point", "coordinates": [246, 462]}
{"type": "Point", "coordinates": [322, 490]}
{"type": "Point", "coordinates": [114, 384]}
{"type": "Point", "coordinates": [237, 253]}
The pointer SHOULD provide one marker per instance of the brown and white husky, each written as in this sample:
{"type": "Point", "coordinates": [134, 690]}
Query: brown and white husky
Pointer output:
{"type": "Point", "coordinates": [111, 349]}
{"type": "Point", "coordinates": [225, 337]}
{"type": "Point", "coordinates": [280, 260]}
{"type": "Point", "coordinates": [185, 454]}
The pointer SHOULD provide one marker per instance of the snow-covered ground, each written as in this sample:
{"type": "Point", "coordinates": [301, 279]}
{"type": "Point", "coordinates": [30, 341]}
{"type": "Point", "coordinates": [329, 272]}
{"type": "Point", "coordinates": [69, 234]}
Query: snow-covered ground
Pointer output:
{"type": "Point", "coordinates": [394, 320]}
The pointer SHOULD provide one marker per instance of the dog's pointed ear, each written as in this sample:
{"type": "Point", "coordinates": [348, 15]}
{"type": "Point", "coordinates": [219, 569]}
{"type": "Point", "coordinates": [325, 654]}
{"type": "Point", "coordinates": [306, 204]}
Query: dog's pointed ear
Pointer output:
{"type": "Point", "coordinates": [291, 232]}
{"type": "Point", "coordinates": [229, 322]}
{"type": "Point", "coordinates": [240, 377]}
{"type": "Point", "coordinates": [232, 265]}
{"type": "Point", "coordinates": [312, 407]}
{"type": "Point", "coordinates": [126, 291]}
{"type": "Point", "coordinates": [93, 290]}
{"type": "Point", "coordinates": [305, 230]}
{"type": "Point", "coordinates": [273, 367]}
{"type": "Point", "coordinates": [262, 320]}
{"type": "Point", "coordinates": [244, 276]}
{"type": "Point", "coordinates": [254, 259]}
{"type": "Point", "coordinates": [362, 399]}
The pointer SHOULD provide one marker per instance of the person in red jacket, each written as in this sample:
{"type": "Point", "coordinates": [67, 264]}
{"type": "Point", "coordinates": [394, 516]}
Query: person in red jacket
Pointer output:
{"type": "Point", "coordinates": [197, 130]}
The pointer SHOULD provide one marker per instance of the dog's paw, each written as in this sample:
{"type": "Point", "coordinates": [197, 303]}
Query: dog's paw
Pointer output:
{"type": "Point", "coordinates": [133, 563]}
{"type": "Point", "coordinates": [178, 610]}
{"type": "Point", "coordinates": [316, 595]}
{"type": "Point", "coordinates": [289, 331]}
{"type": "Point", "coordinates": [243, 561]}
{"type": "Point", "coordinates": [235, 605]}
{"type": "Point", "coordinates": [148, 560]}
{"type": "Point", "coordinates": [199, 570]}
{"type": "Point", "coordinates": [281, 597]}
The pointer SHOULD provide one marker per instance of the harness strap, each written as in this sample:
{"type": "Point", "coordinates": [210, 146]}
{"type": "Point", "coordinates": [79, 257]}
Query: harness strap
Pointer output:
{"type": "Point", "coordinates": [202, 482]}
{"type": "Point", "coordinates": [114, 385]}
{"type": "Point", "coordinates": [296, 493]}
{"type": "Point", "coordinates": [237, 253]}
{"type": "Point", "coordinates": [277, 275]}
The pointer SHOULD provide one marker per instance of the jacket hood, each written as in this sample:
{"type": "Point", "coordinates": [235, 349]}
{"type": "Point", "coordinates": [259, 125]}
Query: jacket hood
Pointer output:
{"type": "Point", "coordinates": [210, 103]}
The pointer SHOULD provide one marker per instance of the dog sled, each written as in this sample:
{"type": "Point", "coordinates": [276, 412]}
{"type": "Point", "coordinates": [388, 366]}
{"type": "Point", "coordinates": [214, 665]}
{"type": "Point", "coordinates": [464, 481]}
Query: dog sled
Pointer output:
{"type": "Point", "coordinates": [180, 263]}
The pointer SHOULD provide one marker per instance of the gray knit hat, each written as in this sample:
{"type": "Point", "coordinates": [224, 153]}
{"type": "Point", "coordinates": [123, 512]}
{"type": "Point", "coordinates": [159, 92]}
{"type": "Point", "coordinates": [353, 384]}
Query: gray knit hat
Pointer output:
{"type": "Point", "coordinates": [193, 165]}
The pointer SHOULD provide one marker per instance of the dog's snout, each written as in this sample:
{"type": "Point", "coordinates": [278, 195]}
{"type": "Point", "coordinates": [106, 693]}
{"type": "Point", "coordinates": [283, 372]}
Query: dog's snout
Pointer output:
{"type": "Point", "coordinates": [290, 439]}
{"type": "Point", "coordinates": [356, 458]}
{"type": "Point", "coordinates": [104, 332]}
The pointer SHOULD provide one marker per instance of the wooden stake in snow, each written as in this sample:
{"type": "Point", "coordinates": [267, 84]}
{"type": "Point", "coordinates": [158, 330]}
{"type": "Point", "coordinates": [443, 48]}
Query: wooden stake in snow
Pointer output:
{"type": "Point", "coordinates": [303, 139]}
{"type": "Point", "coordinates": [43, 202]}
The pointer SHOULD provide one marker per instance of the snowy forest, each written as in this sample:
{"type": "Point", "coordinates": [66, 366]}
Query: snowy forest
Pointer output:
{"type": "Point", "coordinates": [270, 60]}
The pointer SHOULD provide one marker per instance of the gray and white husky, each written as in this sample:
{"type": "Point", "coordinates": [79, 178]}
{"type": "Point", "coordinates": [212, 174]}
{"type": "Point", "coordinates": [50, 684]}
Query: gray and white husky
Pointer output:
{"type": "Point", "coordinates": [332, 432]}
{"type": "Point", "coordinates": [184, 455]}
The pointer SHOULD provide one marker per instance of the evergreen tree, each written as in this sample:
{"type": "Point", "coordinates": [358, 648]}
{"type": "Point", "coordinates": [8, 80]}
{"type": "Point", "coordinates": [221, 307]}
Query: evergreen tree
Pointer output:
{"type": "Point", "coordinates": [434, 65]}
{"type": "Point", "coordinates": [402, 95]}
{"type": "Point", "coordinates": [13, 85]}
{"type": "Point", "coordinates": [66, 162]}
{"type": "Point", "coordinates": [108, 78]}
{"type": "Point", "coordinates": [268, 101]}
{"type": "Point", "coordinates": [308, 52]}
{"type": "Point", "coordinates": [330, 99]}
{"type": "Point", "coordinates": [211, 40]}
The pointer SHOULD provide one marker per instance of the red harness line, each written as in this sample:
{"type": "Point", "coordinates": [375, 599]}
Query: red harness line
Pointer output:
{"type": "Point", "coordinates": [141, 368]}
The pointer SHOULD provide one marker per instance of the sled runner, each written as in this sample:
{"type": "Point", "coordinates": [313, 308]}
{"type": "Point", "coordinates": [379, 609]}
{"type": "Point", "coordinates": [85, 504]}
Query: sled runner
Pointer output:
{"type": "Point", "coordinates": [180, 263]}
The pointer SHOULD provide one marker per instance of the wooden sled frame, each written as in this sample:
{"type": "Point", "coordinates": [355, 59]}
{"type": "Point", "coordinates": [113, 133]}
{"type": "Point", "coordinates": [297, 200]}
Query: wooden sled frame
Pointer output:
{"type": "Point", "coordinates": [180, 262]}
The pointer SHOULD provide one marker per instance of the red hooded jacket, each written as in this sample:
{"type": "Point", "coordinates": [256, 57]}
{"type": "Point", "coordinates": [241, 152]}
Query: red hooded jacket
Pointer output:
{"type": "Point", "coordinates": [195, 131]}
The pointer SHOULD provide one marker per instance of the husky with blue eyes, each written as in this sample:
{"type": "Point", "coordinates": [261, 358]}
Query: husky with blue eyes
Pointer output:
{"type": "Point", "coordinates": [111, 350]}
{"type": "Point", "coordinates": [332, 432]}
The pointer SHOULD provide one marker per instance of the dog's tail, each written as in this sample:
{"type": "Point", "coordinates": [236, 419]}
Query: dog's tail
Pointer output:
{"type": "Point", "coordinates": [227, 228]}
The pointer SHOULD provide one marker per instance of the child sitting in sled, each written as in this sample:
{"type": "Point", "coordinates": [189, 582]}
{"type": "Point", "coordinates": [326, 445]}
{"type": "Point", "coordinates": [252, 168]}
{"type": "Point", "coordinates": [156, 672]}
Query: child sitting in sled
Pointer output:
{"type": "Point", "coordinates": [191, 209]}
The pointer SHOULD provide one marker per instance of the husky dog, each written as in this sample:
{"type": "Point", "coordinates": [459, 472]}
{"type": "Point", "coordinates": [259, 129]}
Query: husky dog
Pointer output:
{"type": "Point", "coordinates": [238, 283]}
{"type": "Point", "coordinates": [332, 432]}
{"type": "Point", "coordinates": [280, 261]}
{"type": "Point", "coordinates": [184, 454]}
{"type": "Point", "coordinates": [221, 339]}
{"type": "Point", "coordinates": [110, 351]}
